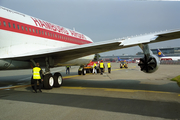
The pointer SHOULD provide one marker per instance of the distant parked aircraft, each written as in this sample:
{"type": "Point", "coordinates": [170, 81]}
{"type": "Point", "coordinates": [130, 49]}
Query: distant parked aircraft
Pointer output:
{"type": "Point", "coordinates": [163, 57]}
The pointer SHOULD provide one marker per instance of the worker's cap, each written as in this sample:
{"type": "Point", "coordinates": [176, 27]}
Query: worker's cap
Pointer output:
{"type": "Point", "coordinates": [101, 60]}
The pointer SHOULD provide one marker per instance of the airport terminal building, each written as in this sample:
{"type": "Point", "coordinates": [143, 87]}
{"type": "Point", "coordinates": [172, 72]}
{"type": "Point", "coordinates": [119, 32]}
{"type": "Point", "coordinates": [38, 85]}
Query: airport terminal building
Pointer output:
{"type": "Point", "coordinates": [166, 51]}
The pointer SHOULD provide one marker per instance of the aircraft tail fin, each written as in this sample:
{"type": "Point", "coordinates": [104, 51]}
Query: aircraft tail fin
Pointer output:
{"type": "Point", "coordinates": [119, 59]}
{"type": "Point", "coordinates": [160, 54]}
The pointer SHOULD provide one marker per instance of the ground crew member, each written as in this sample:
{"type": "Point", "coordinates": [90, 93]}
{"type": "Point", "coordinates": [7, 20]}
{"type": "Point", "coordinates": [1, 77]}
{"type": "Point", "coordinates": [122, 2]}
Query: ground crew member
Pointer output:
{"type": "Point", "coordinates": [68, 69]}
{"type": "Point", "coordinates": [109, 67]}
{"type": "Point", "coordinates": [37, 76]}
{"type": "Point", "coordinates": [101, 65]}
{"type": "Point", "coordinates": [94, 68]}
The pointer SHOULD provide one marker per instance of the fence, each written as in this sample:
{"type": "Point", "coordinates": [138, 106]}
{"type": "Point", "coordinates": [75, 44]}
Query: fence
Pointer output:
{"type": "Point", "coordinates": [170, 62]}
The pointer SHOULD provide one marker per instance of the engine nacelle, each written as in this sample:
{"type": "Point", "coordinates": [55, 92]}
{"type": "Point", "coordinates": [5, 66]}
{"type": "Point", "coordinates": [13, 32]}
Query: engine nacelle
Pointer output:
{"type": "Point", "coordinates": [9, 64]}
{"type": "Point", "coordinates": [149, 64]}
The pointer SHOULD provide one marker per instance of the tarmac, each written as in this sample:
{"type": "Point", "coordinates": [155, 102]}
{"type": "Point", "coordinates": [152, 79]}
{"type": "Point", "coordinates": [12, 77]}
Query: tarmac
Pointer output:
{"type": "Point", "coordinates": [123, 94]}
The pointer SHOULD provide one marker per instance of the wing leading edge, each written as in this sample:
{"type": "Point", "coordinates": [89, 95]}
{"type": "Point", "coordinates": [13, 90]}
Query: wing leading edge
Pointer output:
{"type": "Point", "coordinates": [73, 52]}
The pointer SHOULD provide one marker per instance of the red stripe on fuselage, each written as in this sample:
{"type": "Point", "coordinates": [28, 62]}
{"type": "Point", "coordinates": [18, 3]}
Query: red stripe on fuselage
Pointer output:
{"type": "Point", "coordinates": [38, 32]}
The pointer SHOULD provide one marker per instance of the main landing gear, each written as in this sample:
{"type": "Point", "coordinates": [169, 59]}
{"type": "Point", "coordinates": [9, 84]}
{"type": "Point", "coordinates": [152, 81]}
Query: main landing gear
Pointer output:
{"type": "Point", "coordinates": [49, 80]}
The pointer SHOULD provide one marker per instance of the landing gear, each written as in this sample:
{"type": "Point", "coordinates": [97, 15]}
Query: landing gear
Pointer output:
{"type": "Point", "coordinates": [57, 79]}
{"type": "Point", "coordinates": [49, 80]}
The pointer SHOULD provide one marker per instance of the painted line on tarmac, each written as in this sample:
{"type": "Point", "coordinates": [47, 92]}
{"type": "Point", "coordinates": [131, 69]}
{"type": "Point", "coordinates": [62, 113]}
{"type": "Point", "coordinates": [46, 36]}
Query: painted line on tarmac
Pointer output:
{"type": "Point", "coordinates": [12, 87]}
{"type": "Point", "coordinates": [179, 95]}
{"type": "Point", "coordinates": [118, 90]}
{"type": "Point", "coordinates": [19, 86]}
{"type": "Point", "coordinates": [65, 77]}
{"type": "Point", "coordinates": [121, 69]}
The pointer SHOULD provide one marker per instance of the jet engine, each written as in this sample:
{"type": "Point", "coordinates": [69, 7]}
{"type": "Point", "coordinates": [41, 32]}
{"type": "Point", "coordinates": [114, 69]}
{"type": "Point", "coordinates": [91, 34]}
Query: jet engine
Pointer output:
{"type": "Point", "coordinates": [9, 64]}
{"type": "Point", "coordinates": [149, 64]}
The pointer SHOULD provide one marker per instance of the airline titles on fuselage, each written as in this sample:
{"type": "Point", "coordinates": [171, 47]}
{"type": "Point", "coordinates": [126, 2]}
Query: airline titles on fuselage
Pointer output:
{"type": "Point", "coordinates": [46, 25]}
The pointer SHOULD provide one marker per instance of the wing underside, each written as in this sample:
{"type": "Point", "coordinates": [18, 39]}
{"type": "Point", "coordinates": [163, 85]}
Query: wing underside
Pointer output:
{"type": "Point", "coordinates": [78, 51]}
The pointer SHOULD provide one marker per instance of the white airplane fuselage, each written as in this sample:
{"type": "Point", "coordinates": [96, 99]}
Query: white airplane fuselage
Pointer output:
{"type": "Point", "coordinates": [170, 58]}
{"type": "Point", "coordinates": [21, 34]}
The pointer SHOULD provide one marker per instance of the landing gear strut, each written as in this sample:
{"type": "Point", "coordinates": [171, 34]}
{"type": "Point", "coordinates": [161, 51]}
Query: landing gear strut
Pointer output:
{"type": "Point", "coordinates": [49, 80]}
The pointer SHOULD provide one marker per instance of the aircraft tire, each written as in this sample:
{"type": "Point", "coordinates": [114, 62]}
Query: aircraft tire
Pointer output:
{"type": "Point", "coordinates": [58, 80]}
{"type": "Point", "coordinates": [48, 81]}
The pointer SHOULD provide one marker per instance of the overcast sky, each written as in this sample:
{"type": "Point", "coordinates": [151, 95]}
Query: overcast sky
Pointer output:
{"type": "Point", "coordinates": [105, 19]}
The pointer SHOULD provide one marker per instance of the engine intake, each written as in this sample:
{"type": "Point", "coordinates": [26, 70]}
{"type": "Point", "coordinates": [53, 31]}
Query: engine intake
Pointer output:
{"type": "Point", "coordinates": [149, 64]}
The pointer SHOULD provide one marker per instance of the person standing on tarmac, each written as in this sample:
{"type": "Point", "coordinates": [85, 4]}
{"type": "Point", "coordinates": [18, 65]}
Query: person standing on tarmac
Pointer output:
{"type": "Point", "coordinates": [68, 69]}
{"type": "Point", "coordinates": [101, 65]}
{"type": "Point", "coordinates": [94, 68]}
{"type": "Point", "coordinates": [109, 67]}
{"type": "Point", "coordinates": [37, 76]}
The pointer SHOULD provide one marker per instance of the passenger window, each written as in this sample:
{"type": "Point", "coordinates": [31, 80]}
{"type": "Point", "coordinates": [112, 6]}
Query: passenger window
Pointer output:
{"type": "Point", "coordinates": [42, 33]}
{"type": "Point", "coordinates": [33, 30]}
{"type": "Point", "coordinates": [14, 26]}
{"type": "Point", "coordinates": [26, 28]}
{"type": "Point", "coordinates": [36, 31]}
{"type": "Point", "coordinates": [4, 23]}
{"type": "Point", "coordinates": [48, 34]}
{"type": "Point", "coordinates": [29, 29]}
{"type": "Point", "coordinates": [9, 24]}
{"type": "Point", "coordinates": [18, 27]}
{"type": "Point", "coordinates": [53, 35]}
{"type": "Point", "coordinates": [45, 33]}
{"type": "Point", "coordinates": [22, 27]}
{"type": "Point", "coordinates": [39, 32]}
{"type": "Point", "coordinates": [0, 22]}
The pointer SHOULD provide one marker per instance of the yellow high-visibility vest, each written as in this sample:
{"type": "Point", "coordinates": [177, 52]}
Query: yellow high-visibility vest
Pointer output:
{"type": "Point", "coordinates": [36, 74]}
{"type": "Point", "coordinates": [109, 65]}
{"type": "Point", "coordinates": [101, 65]}
{"type": "Point", "coordinates": [94, 65]}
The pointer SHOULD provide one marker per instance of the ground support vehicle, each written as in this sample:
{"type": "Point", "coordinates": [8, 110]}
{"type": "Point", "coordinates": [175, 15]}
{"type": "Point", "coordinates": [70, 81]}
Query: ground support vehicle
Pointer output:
{"type": "Point", "coordinates": [88, 68]}
{"type": "Point", "coordinates": [123, 64]}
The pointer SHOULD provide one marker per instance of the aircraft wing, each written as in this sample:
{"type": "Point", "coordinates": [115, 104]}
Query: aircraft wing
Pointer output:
{"type": "Point", "coordinates": [77, 51]}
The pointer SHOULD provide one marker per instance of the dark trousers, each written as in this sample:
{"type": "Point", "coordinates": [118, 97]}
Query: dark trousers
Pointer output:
{"type": "Point", "coordinates": [67, 70]}
{"type": "Point", "coordinates": [101, 70]}
{"type": "Point", "coordinates": [109, 70]}
{"type": "Point", "coordinates": [35, 84]}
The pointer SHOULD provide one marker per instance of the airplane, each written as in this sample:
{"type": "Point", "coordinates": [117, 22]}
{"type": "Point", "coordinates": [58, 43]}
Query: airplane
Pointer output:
{"type": "Point", "coordinates": [163, 57]}
{"type": "Point", "coordinates": [26, 40]}
{"type": "Point", "coordinates": [128, 60]}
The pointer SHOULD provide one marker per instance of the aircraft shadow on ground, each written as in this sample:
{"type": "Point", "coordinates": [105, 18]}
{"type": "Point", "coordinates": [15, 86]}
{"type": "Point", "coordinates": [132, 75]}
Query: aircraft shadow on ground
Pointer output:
{"type": "Point", "coordinates": [122, 84]}
{"type": "Point", "coordinates": [169, 110]}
